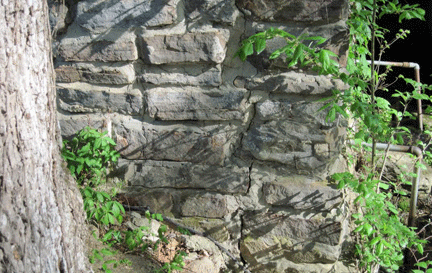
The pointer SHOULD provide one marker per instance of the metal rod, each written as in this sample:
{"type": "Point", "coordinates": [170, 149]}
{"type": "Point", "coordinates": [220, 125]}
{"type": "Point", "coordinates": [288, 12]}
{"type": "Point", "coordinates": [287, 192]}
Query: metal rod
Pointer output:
{"type": "Point", "coordinates": [417, 78]}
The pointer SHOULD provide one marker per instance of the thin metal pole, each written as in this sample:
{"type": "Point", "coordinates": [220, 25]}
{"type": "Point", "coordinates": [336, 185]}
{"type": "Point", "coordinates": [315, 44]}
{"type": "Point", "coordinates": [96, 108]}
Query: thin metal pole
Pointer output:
{"type": "Point", "coordinates": [417, 78]}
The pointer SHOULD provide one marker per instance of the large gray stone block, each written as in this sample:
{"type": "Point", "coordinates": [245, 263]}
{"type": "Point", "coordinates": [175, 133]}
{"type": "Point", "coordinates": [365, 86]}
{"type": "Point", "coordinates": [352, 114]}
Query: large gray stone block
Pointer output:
{"type": "Point", "coordinates": [142, 140]}
{"type": "Point", "coordinates": [207, 205]}
{"type": "Point", "coordinates": [193, 47]}
{"type": "Point", "coordinates": [295, 83]}
{"type": "Point", "coordinates": [102, 15]}
{"type": "Point", "coordinates": [219, 11]}
{"type": "Point", "coordinates": [84, 98]}
{"type": "Point", "coordinates": [196, 75]}
{"type": "Point", "coordinates": [194, 103]}
{"type": "Point", "coordinates": [185, 175]}
{"type": "Point", "coordinates": [295, 110]}
{"type": "Point", "coordinates": [303, 11]}
{"type": "Point", "coordinates": [96, 73]}
{"type": "Point", "coordinates": [78, 46]}
{"type": "Point", "coordinates": [301, 193]}
{"type": "Point", "coordinates": [290, 143]}
{"type": "Point", "coordinates": [269, 234]}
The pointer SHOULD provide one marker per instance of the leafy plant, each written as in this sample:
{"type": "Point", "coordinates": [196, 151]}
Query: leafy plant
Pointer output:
{"type": "Point", "coordinates": [99, 206]}
{"type": "Point", "coordinates": [102, 254]}
{"type": "Point", "coordinates": [383, 236]}
{"type": "Point", "coordinates": [88, 155]}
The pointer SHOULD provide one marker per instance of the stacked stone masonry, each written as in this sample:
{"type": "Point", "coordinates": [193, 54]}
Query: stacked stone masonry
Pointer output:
{"type": "Point", "coordinates": [236, 149]}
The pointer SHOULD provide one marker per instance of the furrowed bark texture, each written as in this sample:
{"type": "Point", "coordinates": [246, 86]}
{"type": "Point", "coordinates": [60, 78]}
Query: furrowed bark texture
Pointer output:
{"type": "Point", "coordinates": [41, 216]}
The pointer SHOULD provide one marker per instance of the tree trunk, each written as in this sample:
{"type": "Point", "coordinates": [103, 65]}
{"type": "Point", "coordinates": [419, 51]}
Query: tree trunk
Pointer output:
{"type": "Point", "coordinates": [41, 216]}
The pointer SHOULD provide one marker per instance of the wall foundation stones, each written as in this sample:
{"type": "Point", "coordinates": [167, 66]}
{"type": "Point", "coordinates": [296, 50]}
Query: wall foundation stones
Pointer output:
{"type": "Point", "coordinates": [238, 150]}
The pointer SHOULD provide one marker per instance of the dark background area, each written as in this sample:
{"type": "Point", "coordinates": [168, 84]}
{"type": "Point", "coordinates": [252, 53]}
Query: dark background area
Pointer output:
{"type": "Point", "coordinates": [415, 48]}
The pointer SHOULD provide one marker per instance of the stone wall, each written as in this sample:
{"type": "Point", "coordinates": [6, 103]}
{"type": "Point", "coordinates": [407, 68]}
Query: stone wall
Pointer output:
{"type": "Point", "coordinates": [236, 149]}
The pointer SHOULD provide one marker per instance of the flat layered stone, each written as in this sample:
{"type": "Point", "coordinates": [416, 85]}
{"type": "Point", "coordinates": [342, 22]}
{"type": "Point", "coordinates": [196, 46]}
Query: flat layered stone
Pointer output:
{"type": "Point", "coordinates": [300, 193]}
{"type": "Point", "coordinates": [193, 103]}
{"type": "Point", "coordinates": [182, 175]}
{"type": "Point", "coordinates": [84, 98]}
{"type": "Point", "coordinates": [95, 73]}
{"type": "Point", "coordinates": [268, 234]}
{"type": "Point", "coordinates": [205, 145]}
{"type": "Point", "coordinates": [295, 83]}
{"type": "Point", "coordinates": [194, 47]}
{"type": "Point", "coordinates": [207, 205]}
{"type": "Point", "coordinates": [113, 47]}
{"type": "Point", "coordinates": [299, 111]}
{"type": "Point", "coordinates": [304, 11]}
{"type": "Point", "coordinates": [219, 11]}
{"type": "Point", "coordinates": [100, 15]}
{"type": "Point", "coordinates": [278, 224]}
{"type": "Point", "coordinates": [285, 142]}
{"type": "Point", "coordinates": [196, 75]}
{"type": "Point", "coordinates": [71, 124]}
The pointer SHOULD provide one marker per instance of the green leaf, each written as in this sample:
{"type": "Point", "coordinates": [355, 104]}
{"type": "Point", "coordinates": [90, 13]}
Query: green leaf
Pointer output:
{"type": "Point", "coordinates": [260, 45]}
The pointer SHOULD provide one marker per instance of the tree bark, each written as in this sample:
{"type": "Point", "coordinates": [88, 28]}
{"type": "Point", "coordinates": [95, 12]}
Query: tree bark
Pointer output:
{"type": "Point", "coordinates": [41, 215]}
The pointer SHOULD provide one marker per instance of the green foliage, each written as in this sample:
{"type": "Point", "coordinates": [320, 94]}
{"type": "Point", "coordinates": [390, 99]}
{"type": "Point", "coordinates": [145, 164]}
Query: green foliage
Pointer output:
{"type": "Point", "coordinates": [88, 155]}
{"type": "Point", "coordinates": [99, 206]}
{"type": "Point", "coordinates": [295, 51]}
{"type": "Point", "coordinates": [383, 236]}
{"type": "Point", "coordinates": [102, 254]}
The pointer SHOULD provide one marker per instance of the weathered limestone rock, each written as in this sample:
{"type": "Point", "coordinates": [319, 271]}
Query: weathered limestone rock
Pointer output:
{"type": "Point", "coordinates": [295, 83]}
{"type": "Point", "coordinates": [98, 16]}
{"type": "Point", "coordinates": [71, 124]}
{"type": "Point", "coordinates": [301, 193]}
{"type": "Point", "coordinates": [113, 47]}
{"type": "Point", "coordinates": [160, 174]}
{"type": "Point", "coordinates": [195, 47]}
{"type": "Point", "coordinates": [204, 145]}
{"type": "Point", "coordinates": [305, 11]}
{"type": "Point", "coordinates": [269, 234]}
{"type": "Point", "coordinates": [211, 264]}
{"type": "Point", "coordinates": [197, 75]}
{"type": "Point", "coordinates": [300, 111]}
{"type": "Point", "coordinates": [219, 11]}
{"type": "Point", "coordinates": [294, 144]}
{"type": "Point", "coordinates": [207, 205]}
{"type": "Point", "coordinates": [236, 150]}
{"type": "Point", "coordinates": [96, 73]}
{"type": "Point", "coordinates": [84, 98]}
{"type": "Point", "coordinates": [192, 103]}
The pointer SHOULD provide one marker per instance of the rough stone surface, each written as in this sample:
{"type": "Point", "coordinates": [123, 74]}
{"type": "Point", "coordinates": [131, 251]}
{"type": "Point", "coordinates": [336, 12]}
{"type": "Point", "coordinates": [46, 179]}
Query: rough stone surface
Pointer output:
{"type": "Point", "coordinates": [294, 83]}
{"type": "Point", "coordinates": [298, 240]}
{"type": "Point", "coordinates": [196, 75]}
{"type": "Point", "coordinates": [298, 193]}
{"type": "Point", "coordinates": [113, 47]}
{"type": "Point", "coordinates": [160, 174]}
{"type": "Point", "coordinates": [84, 98]}
{"type": "Point", "coordinates": [294, 144]}
{"type": "Point", "coordinates": [235, 149]}
{"type": "Point", "coordinates": [195, 103]}
{"type": "Point", "coordinates": [195, 47]}
{"type": "Point", "coordinates": [206, 205]}
{"type": "Point", "coordinates": [95, 73]}
{"type": "Point", "coordinates": [219, 11]}
{"type": "Point", "coordinates": [100, 16]}
{"type": "Point", "coordinates": [142, 140]}
{"type": "Point", "coordinates": [308, 11]}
